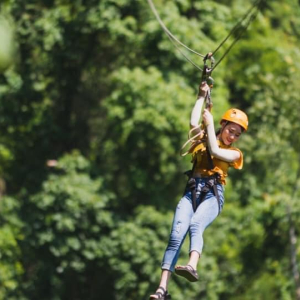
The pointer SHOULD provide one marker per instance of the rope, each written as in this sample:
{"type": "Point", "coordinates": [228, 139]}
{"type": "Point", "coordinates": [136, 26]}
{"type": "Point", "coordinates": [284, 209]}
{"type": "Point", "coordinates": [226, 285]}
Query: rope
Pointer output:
{"type": "Point", "coordinates": [192, 140]}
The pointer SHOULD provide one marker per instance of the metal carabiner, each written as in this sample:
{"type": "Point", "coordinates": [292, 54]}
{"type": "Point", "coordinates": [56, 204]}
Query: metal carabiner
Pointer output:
{"type": "Point", "coordinates": [206, 77]}
{"type": "Point", "coordinates": [206, 73]}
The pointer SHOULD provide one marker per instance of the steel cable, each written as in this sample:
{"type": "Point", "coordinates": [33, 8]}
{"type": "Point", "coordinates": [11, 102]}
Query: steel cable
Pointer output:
{"type": "Point", "coordinates": [237, 27]}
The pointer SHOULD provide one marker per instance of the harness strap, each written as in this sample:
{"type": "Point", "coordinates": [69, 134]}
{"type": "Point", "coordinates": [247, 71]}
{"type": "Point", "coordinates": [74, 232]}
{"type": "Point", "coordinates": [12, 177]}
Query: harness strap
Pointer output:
{"type": "Point", "coordinates": [191, 185]}
{"type": "Point", "coordinates": [215, 190]}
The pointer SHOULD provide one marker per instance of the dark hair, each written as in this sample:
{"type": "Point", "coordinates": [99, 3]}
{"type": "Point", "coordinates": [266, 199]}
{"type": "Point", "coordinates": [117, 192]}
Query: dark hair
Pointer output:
{"type": "Point", "coordinates": [218, 131]}
{"type": "Point", "coordinates": [226, 123]}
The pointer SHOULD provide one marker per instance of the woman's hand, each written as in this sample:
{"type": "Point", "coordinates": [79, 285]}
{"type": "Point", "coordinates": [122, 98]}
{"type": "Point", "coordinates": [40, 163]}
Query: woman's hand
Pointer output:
{"type": "Point", "coordinates": [203, 89]}
{"type": "Point", "coordinates": [207, 117]}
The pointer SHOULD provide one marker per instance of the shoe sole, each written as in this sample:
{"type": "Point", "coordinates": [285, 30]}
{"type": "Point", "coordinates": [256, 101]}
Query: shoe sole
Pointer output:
{"type": "Point", "coordinates": [186, 274]}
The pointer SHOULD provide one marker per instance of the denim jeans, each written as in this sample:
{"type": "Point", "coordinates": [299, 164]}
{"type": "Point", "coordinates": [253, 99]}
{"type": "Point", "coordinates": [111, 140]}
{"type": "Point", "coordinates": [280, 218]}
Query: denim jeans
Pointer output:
{"type": "Point", "coordinates": [185, 220]}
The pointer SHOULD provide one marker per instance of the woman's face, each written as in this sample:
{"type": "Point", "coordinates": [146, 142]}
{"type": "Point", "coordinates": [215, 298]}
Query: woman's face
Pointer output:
{"type": "Point", "coordinates": [230, 133]}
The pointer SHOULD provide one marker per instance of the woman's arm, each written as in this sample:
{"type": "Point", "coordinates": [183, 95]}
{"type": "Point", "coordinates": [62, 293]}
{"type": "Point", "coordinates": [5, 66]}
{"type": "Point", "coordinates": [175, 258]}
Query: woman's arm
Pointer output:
{"type": "Point", "coordinates": [196, 112]}
{"type": "Point", "coordinates": [223, 154]}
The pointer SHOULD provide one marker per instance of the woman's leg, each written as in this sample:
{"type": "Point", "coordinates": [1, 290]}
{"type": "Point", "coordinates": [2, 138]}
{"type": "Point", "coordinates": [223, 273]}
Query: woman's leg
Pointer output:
{"type": "Point", "coordinates": [164, 280]}
{"type": "Point", "coordinates": [194, 258]}
{"type": "Point", "coordinates": [205, 214]}
{"type": "Point", "coordinates": [180, 227]}
{"type": "Point", "coordinates": [207, 211]}
{"type": "Point", "coordinates": [181, 222]}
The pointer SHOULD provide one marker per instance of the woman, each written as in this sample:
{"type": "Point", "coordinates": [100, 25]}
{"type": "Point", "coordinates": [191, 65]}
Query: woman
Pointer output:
{"type": "Point", "coordinates": [208, 178]}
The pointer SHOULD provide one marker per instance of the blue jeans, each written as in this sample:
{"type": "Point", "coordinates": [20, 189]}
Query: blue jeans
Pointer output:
{"type": "Point", "coordinates": [185, 220]}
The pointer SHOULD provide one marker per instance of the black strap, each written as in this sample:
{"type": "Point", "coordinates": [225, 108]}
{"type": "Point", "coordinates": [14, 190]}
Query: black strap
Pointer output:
{"type": "Point", "coordinates": [210, 161]}
{"type": "Point", "coordinates": [211, 166]}
{"type": "Point", "coordinates": [194, 198]}
{"type": "Point", "coordinates": [191, 184]}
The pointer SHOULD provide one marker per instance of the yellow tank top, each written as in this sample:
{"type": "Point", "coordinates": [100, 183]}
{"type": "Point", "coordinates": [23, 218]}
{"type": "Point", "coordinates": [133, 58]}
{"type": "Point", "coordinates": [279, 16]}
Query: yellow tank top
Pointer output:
{"type": "Point", "coordinates": [202, 168]}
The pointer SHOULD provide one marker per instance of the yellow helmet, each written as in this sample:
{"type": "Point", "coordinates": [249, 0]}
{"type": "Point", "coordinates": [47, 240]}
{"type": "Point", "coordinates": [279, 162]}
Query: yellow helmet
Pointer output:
{"type": "Point", "coordinates": [236, 116]}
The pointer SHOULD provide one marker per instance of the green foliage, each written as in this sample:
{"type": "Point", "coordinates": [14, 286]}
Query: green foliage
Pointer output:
{"type": "Point", "coordinates": [144, 128]}
{"type": "Point", "coordinates": [103, 78]}
{"type": "Point", "coordinates": [136, 249]}
{"type": "Point", "coordinates": [11, 266]}
{"type": "Point", "coordinates": [69, 220]}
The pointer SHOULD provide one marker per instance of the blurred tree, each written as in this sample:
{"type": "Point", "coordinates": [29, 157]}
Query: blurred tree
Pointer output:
{"type": "Point", "coordinates": [103, 78]}
{"type": "Point", "coordinates": [11, 264]}
{"type": "Point", "coordinates": [70, 222]}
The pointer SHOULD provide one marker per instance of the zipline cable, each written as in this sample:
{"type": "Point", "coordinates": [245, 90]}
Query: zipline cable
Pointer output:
{"type": "Point", "coordinates": [241, 32]}
{"type": "Point", "coordinates": [237, 27]}
{"type": "Point", "coordinates": [238, 24]}
{"type": "Point", "coordinates": [173, 38]}
{"type": "Point", "coordinates": [188, 59]}
{"type": "Point", "coordinates": [167, 31]}
{"type": "Point", "coordinates": [241, 29]}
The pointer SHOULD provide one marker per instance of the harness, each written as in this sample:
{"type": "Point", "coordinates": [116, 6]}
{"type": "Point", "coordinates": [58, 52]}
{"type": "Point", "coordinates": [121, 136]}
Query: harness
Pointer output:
{"type": "Point", "coordinates": [212, 182]}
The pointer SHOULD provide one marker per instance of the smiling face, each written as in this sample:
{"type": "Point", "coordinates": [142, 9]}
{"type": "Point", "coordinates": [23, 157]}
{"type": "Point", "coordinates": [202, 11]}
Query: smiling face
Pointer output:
{"type": "Point", "coordinates": [230, 133]}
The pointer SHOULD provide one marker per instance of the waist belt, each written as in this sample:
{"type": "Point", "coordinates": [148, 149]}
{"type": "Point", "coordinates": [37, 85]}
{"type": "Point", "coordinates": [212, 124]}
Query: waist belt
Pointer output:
{"type": "Point", "coordinates": [211, 184]}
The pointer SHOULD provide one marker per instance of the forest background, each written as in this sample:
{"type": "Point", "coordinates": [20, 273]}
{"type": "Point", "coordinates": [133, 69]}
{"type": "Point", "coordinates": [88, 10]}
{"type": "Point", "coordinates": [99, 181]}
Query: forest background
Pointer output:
{"type": "Point", "coordinates": [98, 87]}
